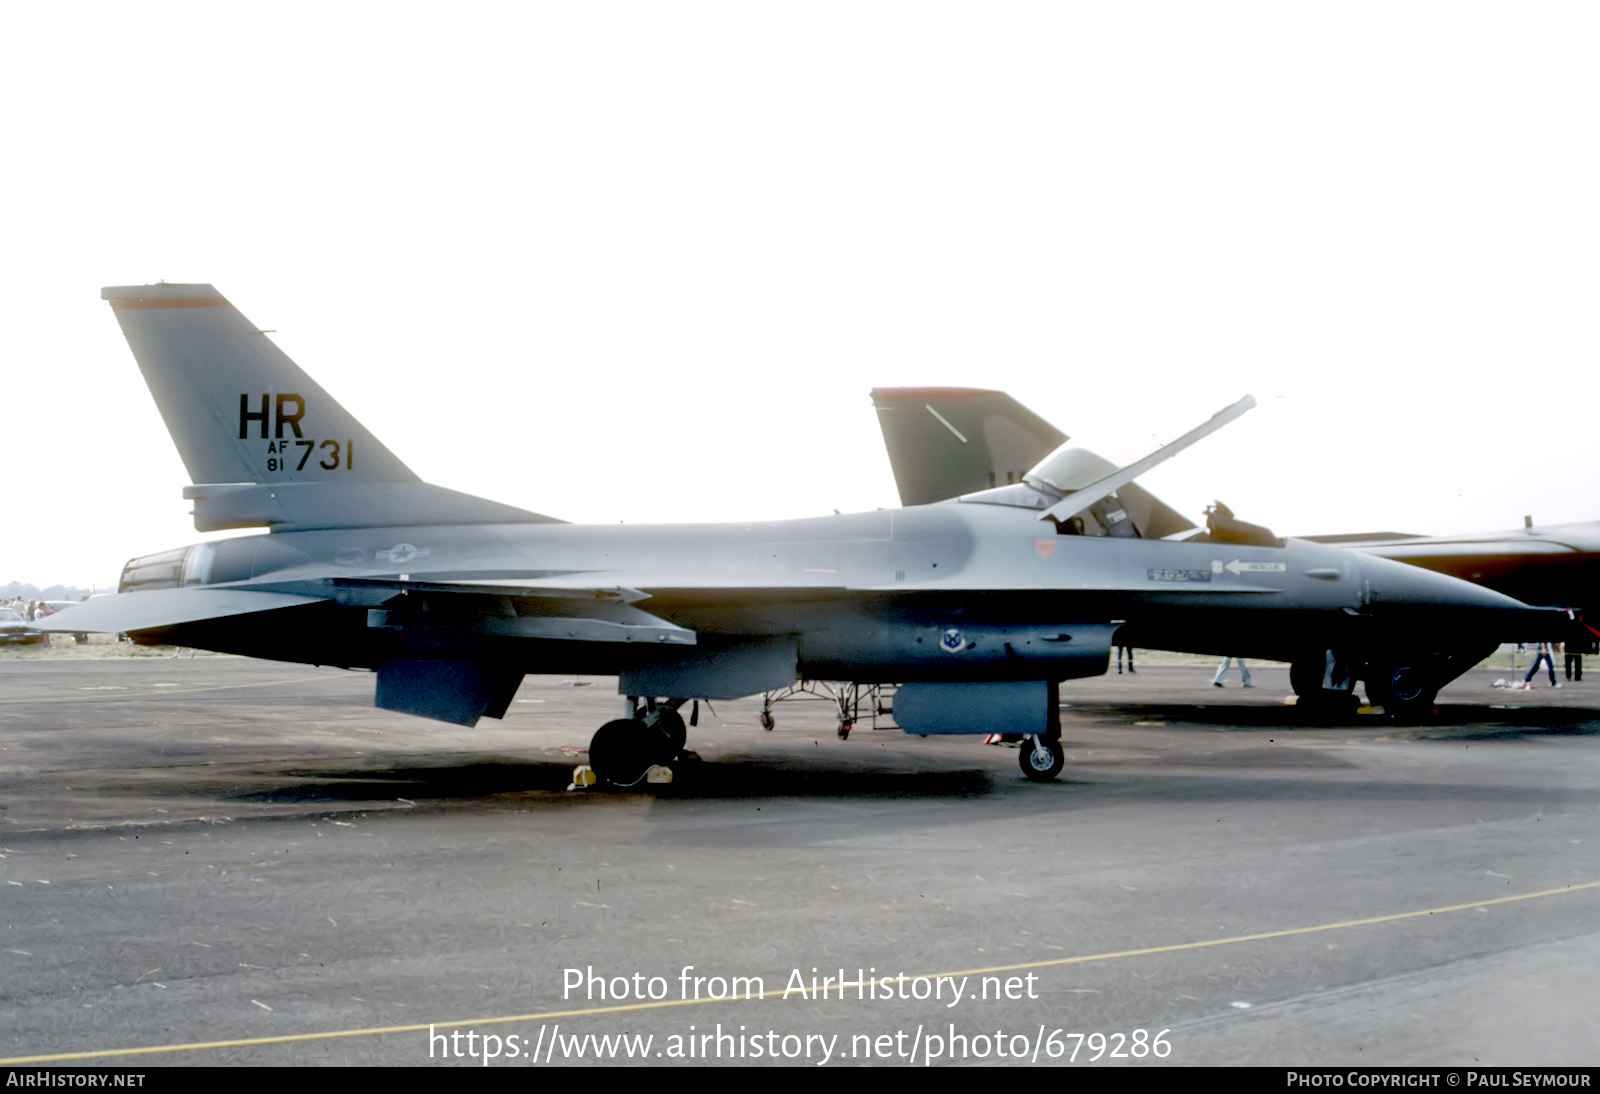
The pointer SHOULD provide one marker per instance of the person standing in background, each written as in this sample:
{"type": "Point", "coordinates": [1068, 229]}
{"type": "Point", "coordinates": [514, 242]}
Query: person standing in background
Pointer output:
{"type": "Point", "coordinates": [1547, 659]}
{"type": "Point", "coordinates": [1222, 673]}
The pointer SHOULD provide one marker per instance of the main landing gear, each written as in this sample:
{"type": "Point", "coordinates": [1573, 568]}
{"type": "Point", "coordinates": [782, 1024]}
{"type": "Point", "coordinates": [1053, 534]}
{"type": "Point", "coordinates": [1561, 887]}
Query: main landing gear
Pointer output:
{"type": "Point", "coordinates": [622, 752]}
{"type": "Point", "coordinates": [1041, 755]}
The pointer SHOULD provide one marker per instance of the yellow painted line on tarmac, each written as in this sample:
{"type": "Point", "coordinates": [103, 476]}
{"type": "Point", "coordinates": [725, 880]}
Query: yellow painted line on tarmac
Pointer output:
{"type": "Point", "coordinates": [181, 691]}
{"type": "Point", "coordinates": [1286, 933]}
{"type": "Point", "coordinates": [420, 1027]}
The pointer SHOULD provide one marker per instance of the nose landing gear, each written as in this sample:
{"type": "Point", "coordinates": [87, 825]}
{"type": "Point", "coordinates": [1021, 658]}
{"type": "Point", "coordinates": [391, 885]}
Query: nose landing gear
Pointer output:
{"type": "Point", "coordinates": [1404, 689]}
{"type": "Point", "coordinates": [1406, 685]}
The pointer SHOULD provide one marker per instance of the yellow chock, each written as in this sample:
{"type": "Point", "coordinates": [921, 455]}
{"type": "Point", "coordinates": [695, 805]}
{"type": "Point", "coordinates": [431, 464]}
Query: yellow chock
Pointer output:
{"type": "Point", "coordinates": [583, 777]}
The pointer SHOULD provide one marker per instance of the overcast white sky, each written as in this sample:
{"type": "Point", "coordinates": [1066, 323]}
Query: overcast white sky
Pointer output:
{"type": "Point", "coordinates": [619, 261]}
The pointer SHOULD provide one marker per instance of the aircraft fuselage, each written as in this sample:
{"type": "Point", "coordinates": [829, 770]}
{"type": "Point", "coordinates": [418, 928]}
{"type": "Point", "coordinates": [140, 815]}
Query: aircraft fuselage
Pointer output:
{"type": "Point", "coordinates": [953, 591]}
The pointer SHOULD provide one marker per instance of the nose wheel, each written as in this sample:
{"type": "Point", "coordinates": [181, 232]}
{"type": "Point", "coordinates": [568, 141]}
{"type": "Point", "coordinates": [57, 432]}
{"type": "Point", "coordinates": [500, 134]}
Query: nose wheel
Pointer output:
{"type": "Point", "coordinates": [1403, 689]}
{"type": "Point", "coordinates": [1042, 758]}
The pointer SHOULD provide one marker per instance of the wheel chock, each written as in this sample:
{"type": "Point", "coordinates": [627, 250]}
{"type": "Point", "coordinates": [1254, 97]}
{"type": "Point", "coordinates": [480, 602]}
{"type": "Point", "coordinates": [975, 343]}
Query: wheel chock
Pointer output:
{"type": "Point", "coordinates": [658, 773]}
{"type": "Point", "coordinates": [583, 777]}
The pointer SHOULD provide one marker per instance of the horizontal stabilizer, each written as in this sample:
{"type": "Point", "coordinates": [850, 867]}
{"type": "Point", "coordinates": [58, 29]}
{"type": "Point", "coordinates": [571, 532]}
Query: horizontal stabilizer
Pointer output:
{"type": "Point", "coordinates": [128, 612]}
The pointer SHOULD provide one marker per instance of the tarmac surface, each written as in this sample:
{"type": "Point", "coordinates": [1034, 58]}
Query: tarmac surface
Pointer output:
{"type": "Point", "coordinates": [217, 860]}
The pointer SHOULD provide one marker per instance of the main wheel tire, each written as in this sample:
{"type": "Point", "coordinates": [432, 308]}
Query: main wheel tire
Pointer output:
{"type": "Point", "coordinates": [672, 733]}
{"type": "Point", "coordinates": [620, 752]}
{"type": "Point", "coordinates": [767, 721]}
{"type": "Point", "coordinates": [1306, 676]}
{"type": "Point", "coordinates": [1042, 758]}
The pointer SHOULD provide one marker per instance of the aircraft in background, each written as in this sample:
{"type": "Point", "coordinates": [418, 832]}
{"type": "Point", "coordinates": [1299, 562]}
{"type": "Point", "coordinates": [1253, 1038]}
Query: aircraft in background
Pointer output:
{"type": "Point", "coordinates": [978, 609]}
{"type": "Point", "coordinates": [1555, 564]}
{"type": "Point", "coordinates": [947, 442]}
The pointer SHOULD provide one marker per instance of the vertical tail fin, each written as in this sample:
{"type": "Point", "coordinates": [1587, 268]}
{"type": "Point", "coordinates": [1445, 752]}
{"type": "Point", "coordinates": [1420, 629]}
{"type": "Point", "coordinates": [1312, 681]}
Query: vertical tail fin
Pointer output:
{"type": "Point", "coordinates": [237, 407]}
{"type": "Point", "coordinates": [263, 443]}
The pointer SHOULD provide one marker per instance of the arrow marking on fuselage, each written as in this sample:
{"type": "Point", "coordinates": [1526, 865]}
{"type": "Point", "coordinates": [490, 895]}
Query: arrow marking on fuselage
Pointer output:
{"type": "Point", "coordinates": [1237, 567]}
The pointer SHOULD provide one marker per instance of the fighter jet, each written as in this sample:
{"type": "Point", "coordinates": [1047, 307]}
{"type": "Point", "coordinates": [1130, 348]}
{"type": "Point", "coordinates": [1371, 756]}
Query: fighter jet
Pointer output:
{"type": "Point", "coordinates": [980, 607]}
{"type": "Point", "coordinates": [944, 442]}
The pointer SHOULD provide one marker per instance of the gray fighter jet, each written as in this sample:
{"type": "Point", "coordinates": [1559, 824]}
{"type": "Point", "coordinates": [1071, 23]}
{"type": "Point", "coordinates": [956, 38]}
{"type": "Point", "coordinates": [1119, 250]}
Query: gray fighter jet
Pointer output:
{"type": "Point", "coordinates": [944, 442]}
{"type": "Point", "coordinates": [978, 607]}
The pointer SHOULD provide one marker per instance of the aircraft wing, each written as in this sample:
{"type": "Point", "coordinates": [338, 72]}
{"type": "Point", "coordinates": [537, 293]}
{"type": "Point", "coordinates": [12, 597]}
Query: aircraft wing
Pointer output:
{"type": "Point", "coordinates": [1361, 539]}
{"type": "Point", "coordinates": [537, 588]}
{"type": "Point", "coordinates": [522, 609]}
{"type": "Point", "coordinates": [1443, 548]}
{"type": "Point", "coordinates": [150, 609]}
{"type": "Point", "coordinates": [514, 608]}
{"type": "Point", "coordinates": [1562, 540]}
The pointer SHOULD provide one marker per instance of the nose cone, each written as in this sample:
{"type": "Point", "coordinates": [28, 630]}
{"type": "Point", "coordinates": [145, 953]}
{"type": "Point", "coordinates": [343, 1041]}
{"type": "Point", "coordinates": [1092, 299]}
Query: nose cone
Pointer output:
{"type": "Point", "coordinates": [1392, 584]}
{"type": "Point", "coordinates": [1411, 597]}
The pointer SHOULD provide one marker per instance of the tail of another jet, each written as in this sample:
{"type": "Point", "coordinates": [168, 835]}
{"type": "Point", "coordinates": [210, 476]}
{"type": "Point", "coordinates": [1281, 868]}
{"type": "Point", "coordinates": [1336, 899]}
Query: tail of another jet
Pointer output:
{"type": "Point", "coordinates": [947, 441]}
{"type": "Point", "coordinates": [944, 442]}
{"type": "Point", "coordinates": [263, 443]}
